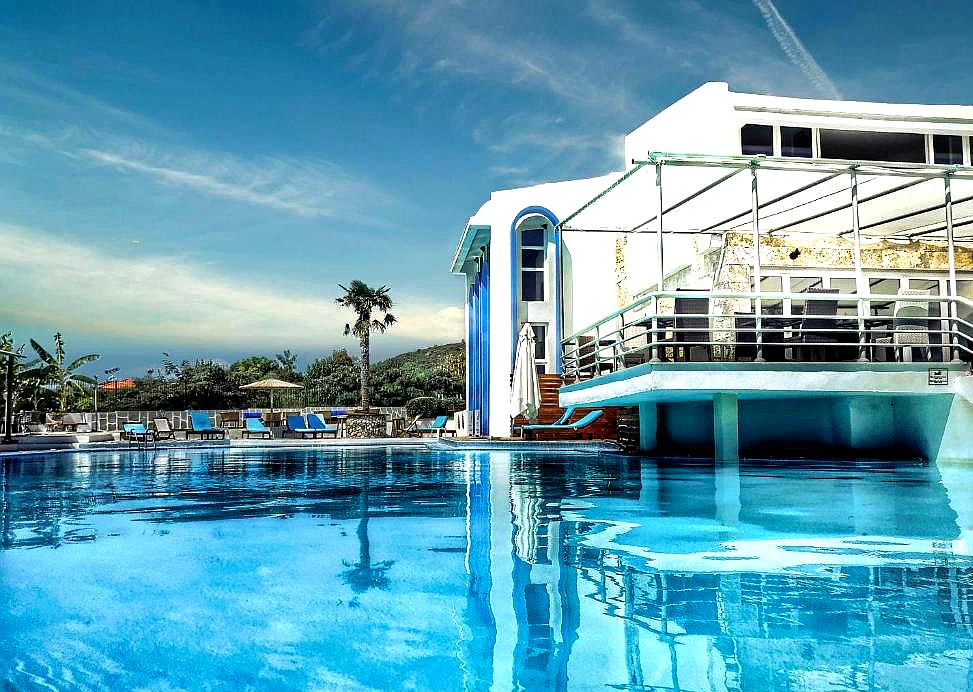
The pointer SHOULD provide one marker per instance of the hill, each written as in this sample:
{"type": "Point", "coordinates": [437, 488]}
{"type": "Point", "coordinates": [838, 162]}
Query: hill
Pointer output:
{"type": "Point", "coordinates": [448, 358]}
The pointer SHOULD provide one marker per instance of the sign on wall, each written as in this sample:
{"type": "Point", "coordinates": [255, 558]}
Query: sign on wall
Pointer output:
{"type": "Point", "coordinates": [938, 376]}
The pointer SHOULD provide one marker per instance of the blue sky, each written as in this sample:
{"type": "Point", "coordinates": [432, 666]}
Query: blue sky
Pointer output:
{"type": "Point", "coordinates": [197, 177]}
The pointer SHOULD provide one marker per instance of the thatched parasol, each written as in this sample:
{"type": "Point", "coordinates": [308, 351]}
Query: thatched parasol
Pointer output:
{"type": "Point", "coordinates": [272, 383]}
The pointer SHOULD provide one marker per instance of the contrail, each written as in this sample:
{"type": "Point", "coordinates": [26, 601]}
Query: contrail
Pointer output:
{"type": "Point", "coordinates": [795, 50]}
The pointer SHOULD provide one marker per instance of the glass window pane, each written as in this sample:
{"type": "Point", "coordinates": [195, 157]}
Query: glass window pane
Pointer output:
{"type": "Point", "coordinates": [930, 285]}
{"type": "Point", "coordinates": [795, 141]}
{"type": "Point", "coordinates": [532, 285]}
{"type": "Point", "coordinates": [802, 284]}
{"type": "Point", "coordinates": [947, 149]}
{"type": "Point", "coordinates": [532, 237]}
{"type": "Point", "coordinates": [846, 285]}
{"type": "Point", "coordinates": [883, 308]}
{"type": "Point", "coordinates": [540, 341]}
{"type": "Point", "coordinates": [757, 139]}
{"type": "Point", "coordinates": [772, 284]}
{"type": "Point", "coordinates": [532, 259]}
{"type": "Point", "coordinates": [858, 145]}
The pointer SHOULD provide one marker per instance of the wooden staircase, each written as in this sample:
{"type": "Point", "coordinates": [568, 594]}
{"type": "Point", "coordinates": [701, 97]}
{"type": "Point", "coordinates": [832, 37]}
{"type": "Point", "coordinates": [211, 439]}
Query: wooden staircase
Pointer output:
{"type": "Point", "coordinates": [605, 428]}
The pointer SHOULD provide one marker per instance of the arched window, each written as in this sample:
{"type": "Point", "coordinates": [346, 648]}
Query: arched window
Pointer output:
{"type": "Point", "coordinates": [532, 263]}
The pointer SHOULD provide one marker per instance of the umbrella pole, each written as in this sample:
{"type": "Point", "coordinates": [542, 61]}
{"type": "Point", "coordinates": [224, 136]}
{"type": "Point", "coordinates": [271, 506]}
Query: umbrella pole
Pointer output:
{"type": "Point", "coordinates": [271, 400]}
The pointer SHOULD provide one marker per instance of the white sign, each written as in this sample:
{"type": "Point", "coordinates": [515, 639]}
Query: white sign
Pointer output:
{"type": "Point", "coordinates": [938, 377]}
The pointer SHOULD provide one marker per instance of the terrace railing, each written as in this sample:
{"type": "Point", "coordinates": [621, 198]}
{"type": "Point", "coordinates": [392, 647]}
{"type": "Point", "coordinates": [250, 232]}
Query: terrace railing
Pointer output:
{"type": "Point", "coordinates": [753, 327]}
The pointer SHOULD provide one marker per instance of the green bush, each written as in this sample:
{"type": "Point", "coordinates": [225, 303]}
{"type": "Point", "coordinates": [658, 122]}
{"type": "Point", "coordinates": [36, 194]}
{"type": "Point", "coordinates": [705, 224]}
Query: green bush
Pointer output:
{"type": "Point", "coordinates": [430, 406]}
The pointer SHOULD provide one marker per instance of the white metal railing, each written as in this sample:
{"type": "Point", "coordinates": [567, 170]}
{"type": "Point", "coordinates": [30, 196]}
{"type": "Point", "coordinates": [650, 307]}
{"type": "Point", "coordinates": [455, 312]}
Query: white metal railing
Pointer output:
{"type": "Point", "coordinates": [748, 327]}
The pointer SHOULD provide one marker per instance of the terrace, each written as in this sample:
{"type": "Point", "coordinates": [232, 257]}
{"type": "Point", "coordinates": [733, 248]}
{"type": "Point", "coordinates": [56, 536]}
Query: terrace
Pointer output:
{"type": "Point", "coordinates": [831, 278]}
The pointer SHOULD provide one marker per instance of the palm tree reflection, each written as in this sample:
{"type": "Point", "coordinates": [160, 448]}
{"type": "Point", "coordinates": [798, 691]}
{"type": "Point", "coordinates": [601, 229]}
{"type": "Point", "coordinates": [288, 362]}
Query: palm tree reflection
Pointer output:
{"type": "Point", "coordinates": [365, 575]}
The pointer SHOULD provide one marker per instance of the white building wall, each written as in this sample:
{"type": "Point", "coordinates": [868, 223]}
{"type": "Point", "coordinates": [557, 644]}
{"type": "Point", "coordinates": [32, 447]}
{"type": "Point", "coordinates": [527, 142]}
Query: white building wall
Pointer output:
{"type": "Point", "coordinates": [706, 121]}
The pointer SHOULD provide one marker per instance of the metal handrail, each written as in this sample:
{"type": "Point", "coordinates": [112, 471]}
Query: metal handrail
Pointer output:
{"type": "Point", "coordinates": [608, 341]}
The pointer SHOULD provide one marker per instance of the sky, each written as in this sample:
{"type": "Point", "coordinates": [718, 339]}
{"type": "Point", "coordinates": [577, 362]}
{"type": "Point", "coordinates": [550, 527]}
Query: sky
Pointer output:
{"type": "Point", "coordinates": [198, 177]}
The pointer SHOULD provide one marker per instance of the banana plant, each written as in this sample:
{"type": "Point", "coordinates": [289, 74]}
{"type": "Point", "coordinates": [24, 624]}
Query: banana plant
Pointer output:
{"type": "Point", "coordinates": [53, 369]}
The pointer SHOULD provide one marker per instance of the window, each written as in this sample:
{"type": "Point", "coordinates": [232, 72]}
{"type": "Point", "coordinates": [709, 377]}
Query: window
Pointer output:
{"type": "Point", "coordinates": [883, 286]}
{"type": "Point", "coordinates": [847, 286]}
{"type": "Point", "coordinates": [532, 264]}
{"type": "Point", "coordinates": [803, 284]}
{"type": "Point", "coordinates": [905, 147]}
{"type": "Point", "coordinates": [540, 347]}
{"type": "Point", "coordinates": [947, 149]}
{"type": "Point", "coordinates": [771, 284]}
{"type": "Point", "coordinates": [757, 139]}
{"type": "Point", "coordinates": [795, 141]}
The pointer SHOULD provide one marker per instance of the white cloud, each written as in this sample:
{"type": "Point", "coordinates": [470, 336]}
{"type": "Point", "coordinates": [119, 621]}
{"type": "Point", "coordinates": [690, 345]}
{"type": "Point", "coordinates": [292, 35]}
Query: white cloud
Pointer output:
{"type": "Point", "coordinates": [165, 299]}
{"type": "Point", "coordinates": [309, 187]}
{"type": "Point", "coordinates": [795, 50]}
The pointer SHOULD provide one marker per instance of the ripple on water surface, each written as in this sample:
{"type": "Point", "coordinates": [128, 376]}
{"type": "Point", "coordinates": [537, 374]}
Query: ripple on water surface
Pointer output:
{"type": "Point", "coordinates": [378, 569]}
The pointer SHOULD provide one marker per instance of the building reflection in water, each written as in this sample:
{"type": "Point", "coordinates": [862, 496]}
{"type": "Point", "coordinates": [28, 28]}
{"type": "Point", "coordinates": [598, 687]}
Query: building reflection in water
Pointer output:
{"type": "Point", "coordinates": [592, 572]}
{"type": "Point", "coordinates": [867, 582]}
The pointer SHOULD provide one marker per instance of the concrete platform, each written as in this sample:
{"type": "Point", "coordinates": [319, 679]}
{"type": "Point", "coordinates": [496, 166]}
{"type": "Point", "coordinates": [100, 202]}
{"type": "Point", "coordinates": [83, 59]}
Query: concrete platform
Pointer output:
{"type": "Point", "coordinates": [726, 410]}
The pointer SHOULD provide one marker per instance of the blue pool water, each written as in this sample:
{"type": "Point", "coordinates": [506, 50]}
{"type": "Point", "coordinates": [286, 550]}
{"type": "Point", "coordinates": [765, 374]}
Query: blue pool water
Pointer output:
{"type": "Point", "coordinates": [409, 569]}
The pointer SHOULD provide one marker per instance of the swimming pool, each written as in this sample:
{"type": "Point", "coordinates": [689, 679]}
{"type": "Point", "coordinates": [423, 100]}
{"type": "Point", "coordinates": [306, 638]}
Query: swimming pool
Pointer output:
{"type": "Point", "coordinates": [375, 569]}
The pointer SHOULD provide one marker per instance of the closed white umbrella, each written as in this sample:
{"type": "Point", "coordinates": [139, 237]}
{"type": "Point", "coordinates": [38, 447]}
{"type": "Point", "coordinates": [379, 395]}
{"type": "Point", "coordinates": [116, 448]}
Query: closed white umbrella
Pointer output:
{"type": "Point", "coordinates": [525, 390]}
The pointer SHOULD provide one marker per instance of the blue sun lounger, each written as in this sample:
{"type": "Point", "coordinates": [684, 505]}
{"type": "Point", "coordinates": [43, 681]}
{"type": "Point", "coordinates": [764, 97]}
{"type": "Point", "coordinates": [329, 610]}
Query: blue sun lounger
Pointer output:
{"type": "Point", "coordinates": [565, 417]}
{"type": "Point", "coordinates": [137, 432]}
{"type": "Point", "coordinates": [199, 425]}
{"type": "Point", "coordinates": [297, 425]}
{"type": "Point", "coordinates": [314, 422]}
{"type": "Point", "coordinates": [577, 426]}
{"type": "Point", "coordinates": [438, 426]}
{"type": "Point", "coordinates": [255, 426]}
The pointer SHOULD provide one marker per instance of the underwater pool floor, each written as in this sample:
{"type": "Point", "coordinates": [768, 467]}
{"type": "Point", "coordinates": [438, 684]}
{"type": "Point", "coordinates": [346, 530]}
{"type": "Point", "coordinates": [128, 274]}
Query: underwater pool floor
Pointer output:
{"type": "Point", "coordinates": [424, 569]}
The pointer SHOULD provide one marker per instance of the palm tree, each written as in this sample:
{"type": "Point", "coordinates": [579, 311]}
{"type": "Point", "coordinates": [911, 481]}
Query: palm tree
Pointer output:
{"type": "Point", "coordinates": [52, 369]}
{"type": "Point", "coordinates": [365, 300]}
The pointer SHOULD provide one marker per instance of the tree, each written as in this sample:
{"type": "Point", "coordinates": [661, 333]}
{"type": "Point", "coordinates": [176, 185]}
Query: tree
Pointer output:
{"type": "Point", "coordinates": [251, 369]}
{"type": "Point", "coordinates": [364, 301]}
{"type": "Point", "coordinates": [286, 365]}
{"type": "Point", "coordinates": [51, 369]}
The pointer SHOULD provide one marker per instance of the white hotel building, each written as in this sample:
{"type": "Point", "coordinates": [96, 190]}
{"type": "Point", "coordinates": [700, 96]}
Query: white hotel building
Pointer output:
{"type": "Point", "coordinates": [817, 280]}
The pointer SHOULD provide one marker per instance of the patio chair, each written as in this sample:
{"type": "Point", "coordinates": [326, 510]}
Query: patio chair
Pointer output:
{"type": "Point", "coordinates": [73, 421]}
{"type": "Point", "coordinates": [561, 420]}
{"type": "Point", "coordinates": [412, 429]}
{"type": "Point", "coordinates": [255, 426]}
{"type": "Point", "coordinates": [199, 425]}
{"type": "Point", "coordinates": [163, 431]}
{"type": "Point", "coordinates": [578, 426]}
{"type": "Point", "coordinates": [314, 422]}
{"type": "Point", "coordinates": [819, 315]}
{"type": "Point", "coordinates": [296, 425]}
{"type": "Point", "coordinates": [910, 327]}
{"type": "Point", "coordinates": [229, 419]}
{"type": "Point", "coordinates": [691, 345]}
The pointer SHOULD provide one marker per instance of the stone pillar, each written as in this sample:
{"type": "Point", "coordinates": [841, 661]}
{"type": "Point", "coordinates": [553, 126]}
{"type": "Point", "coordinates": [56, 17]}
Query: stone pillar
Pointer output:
{"type": "Point", "coordinates": [726, 426]}
{"type": "Point", "coordinates": [648, 427]}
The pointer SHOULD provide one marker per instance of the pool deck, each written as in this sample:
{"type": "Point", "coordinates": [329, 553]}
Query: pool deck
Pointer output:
{"type": "Point", "coordinates": [106, 442]}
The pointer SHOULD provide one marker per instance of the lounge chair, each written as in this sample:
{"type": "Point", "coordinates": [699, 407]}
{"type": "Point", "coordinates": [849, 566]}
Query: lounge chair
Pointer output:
{"type": "Point", "coordinates": [577, 426]}
{"type": "Point", "coordinates": [562, 419]}
{"type": "Point", "coordinates": [255, 426]}
{"type": "Point", "coordinates": [137, 432]}
{"type": "Point", "coordinates": [199, 425]}
{"type": "Point", "coordinates": [438, 427]}
{"type": "Point", "coordinates": [314, 422]}
{"type": "Point", "coordinates": [163, 431]}
{"type": "Point", "coordinates": [297, 425]}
